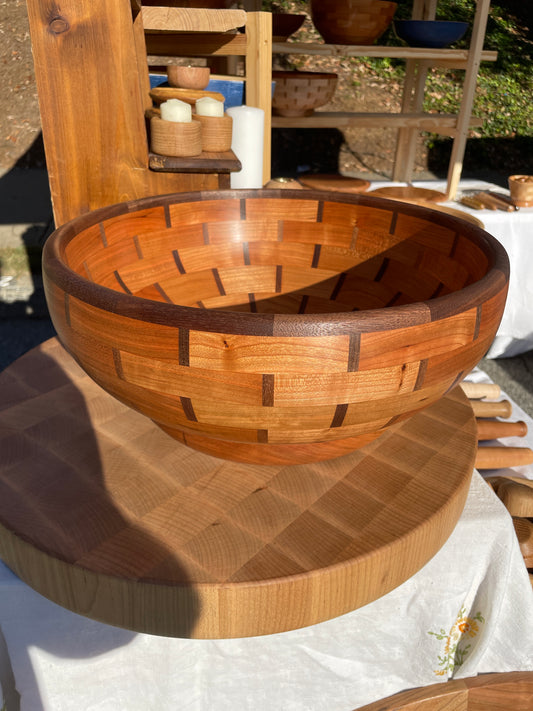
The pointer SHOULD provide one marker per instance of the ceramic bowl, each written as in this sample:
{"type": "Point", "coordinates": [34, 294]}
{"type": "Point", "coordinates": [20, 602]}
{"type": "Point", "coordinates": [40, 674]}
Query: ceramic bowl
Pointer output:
{"type": "Point", "coordinates": [352, 21]}
{"type": "Point", "coordinates": [436, 34]}
{"type": "Point", "coordinates": [300, 93]}
{"type": "Point", "coordinates": [274, 326]}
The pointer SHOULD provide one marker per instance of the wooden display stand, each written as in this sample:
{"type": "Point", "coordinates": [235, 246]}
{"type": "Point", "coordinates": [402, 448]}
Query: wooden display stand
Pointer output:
{"type": "Point", "coordinates": [411, 120]}
{"type": "Point", "coordinates": [104, 514]}
{"type": "Point", "coordinates": [93, 85]}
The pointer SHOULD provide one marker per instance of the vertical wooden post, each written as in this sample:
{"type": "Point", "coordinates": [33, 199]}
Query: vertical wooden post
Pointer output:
{"type": "Point", "coordinates": [259, 75]}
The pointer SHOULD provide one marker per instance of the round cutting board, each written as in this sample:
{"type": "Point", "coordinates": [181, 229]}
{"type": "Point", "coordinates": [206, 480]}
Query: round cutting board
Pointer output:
{"type": "Point", "coordinates": [105, 515]}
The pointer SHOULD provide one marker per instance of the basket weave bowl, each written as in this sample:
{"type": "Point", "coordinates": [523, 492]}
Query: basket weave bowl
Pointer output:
{"type": "Point", "coordinates": [274, 326]}
{"type": "Point", "coordinates": [352, 21]}
{"type": "Point", "coordinates": [300, 93]}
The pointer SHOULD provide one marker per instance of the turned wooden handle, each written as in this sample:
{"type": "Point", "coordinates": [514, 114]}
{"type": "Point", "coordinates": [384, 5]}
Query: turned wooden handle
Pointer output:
{"type": "Point", "coordinates": [502, 408]}
{"type": "Point", "coordinates": [480, 390]}
{"type": "Point", "coordinates": [493, 429]}
{"type": "Point", "coordinates": [500, 457]}
{"type": "Point", "coordinates": [524, 532]}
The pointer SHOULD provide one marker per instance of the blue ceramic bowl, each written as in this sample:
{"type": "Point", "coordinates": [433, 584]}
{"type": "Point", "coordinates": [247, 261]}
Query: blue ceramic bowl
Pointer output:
{"type": "Point", "coordinates": [430, 33]}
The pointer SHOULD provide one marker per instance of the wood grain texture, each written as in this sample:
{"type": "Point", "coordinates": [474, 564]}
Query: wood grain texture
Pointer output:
{"type": "Point", "coordinates": [357, 312]}
{"type": "Point", "coordinates": [487, 692]}
{"type": "Point", "coordinates": [105, 515]}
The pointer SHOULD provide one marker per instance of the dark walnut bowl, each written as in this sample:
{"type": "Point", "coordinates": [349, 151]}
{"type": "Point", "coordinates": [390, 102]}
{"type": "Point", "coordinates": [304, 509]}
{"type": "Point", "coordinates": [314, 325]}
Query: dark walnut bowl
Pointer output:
{"type": "Point", "coordinates": [275, 326]}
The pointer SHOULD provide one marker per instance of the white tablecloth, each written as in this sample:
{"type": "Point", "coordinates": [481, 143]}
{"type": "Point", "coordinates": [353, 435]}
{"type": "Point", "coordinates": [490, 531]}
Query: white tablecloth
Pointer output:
{"type": "Point", "coordinates": [468, 611]}
{"type": "Point", "coordinates": [515, 232]}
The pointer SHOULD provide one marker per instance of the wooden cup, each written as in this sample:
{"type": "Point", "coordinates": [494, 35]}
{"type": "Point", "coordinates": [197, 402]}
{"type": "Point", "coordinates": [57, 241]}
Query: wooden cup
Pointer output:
{"type": "Point", "coordinates": [521, 189]}
{"type": "Point", "coordinates": [169, 138]}
{"type": "Point", "coordinates": [216, 132]}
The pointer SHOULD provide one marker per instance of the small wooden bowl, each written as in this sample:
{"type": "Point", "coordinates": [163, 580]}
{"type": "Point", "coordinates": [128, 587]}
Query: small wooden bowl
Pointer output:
{"type": "Point", "coordinates": [216, 132]}
{"type": "Point", "coordinates": [521, 189]}
{"type": "Point", "coordinates": [188, 77]}
{"type": "Point", "coordinates": [275, 326]}
{"type": "Point", "coordinates": [285, 24]}
{"type": "Point", "coordinates": [352, 21]}
{"type": "Point", "coordinates": [300, 93]}
{"type": "Point", "coordinates": [168, 138]}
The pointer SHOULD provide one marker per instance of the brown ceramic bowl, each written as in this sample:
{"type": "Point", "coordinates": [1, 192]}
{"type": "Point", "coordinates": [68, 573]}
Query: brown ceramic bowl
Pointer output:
{"type": "Point", "coordinates": [275, 326]}
{"type": "Point", "coordinates": [352, 21]}
{"type": "Point", "coordinates": [300, 93]}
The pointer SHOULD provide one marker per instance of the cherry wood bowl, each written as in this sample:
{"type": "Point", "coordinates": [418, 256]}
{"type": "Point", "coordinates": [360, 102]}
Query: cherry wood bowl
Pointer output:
{"type": "Point", "coordinates": [275, 326]}
{"type": "Point", "coordinates": [351, 22]}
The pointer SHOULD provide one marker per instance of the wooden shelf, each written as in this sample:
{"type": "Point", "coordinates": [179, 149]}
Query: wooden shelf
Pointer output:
{"type": "Point", "coordinates": [205, 163]}
{"type": "Point", "coordinates": [106, 515]}
{"type": "Point", "coordinates": [433, 123]}
{"type": "Point", "coordinates": [455, 57]}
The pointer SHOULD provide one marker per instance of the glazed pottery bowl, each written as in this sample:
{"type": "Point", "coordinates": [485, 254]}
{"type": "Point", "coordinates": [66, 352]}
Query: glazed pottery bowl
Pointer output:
{"type": "Point", "coordinates": [436, 34]}
{"type": "Point", "coordinates": [300, 93]}
{"type": "Point", "coordinates": [352, 21]}
{"type": "Point", "coordinates": [274, 326]}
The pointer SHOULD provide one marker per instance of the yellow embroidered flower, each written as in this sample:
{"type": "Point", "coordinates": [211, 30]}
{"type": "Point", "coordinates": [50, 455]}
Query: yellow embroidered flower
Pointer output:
{"type": "Point", "coordinates": [468, 626]}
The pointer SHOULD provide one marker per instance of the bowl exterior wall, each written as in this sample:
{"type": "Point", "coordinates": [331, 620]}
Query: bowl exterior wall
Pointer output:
{"type": "Point", "coordinates": [266, 380]}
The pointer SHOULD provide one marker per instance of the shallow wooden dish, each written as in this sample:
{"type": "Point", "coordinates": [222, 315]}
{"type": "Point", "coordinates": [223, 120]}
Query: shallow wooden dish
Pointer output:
{"type": "Point", "coordinates": [408, 193]}
{"type": "Point", "coordinates": [338, 183]}
{"type": "Point", "coordinates": [275, 325]}
{"type": "Point", "coordinates": [300, 93]}
{"type": "Point", "coordinates": [108, 517]}
{"type": "Point", "coordinates": [163, 93]}
{"type": "Point", "coordinates": [352, 21]}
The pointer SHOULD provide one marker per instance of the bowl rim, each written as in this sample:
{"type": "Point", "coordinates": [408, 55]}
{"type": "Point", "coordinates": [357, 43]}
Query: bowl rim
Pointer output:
{"type": "Point", "coordinates": [55, 270]}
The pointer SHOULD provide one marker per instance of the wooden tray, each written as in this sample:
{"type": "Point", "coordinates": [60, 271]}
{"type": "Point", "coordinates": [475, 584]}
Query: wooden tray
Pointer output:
{"type": "Point", "coordinates": [104, 514]}
{"type": "Point", "coordinates": [342, 183]}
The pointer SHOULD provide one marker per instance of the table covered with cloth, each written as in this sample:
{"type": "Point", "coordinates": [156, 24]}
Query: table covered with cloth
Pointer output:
{"type": "Point", "coordinates": [514, 230]}
{"type": "Point", "coordinates": [468, 611]}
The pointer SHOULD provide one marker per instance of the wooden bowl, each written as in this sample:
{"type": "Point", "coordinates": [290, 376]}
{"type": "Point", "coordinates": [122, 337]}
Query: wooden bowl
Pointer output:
{"type": "Point", "coordinates": [285, 24]}
{"type": "Point", "coordinates": [300, 93]}
{"type": "Point", "coordinates": [181, 140]}
{"type": "Point", "coordinates": [352, 21]}
{"type": "Point", "coordinates": [188, 77]}
{"type": "Point", "coordinates": [217, 132]}
{"type": "Point", "coordinates": [521, 189]}
{"type": "Point", "coordinates": [274, 326]}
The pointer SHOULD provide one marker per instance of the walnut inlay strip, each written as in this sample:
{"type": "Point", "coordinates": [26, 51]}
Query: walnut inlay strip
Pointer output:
{"type": "Point", "coordinates": [205, 233]}
{"type": "Point", "coordinates": [120, 281]}
{"type": "Point", "coordinates": [382, 269]}
{"type": "Point", "coordinates": [268, 390]}
{"type": "Point", "coordinates": [338, 286]}
{"type": "Point", "coordinates": [316, 256]}
{"type": "Point", "coordinates": [183, 343]}
{"type": "Point", "coordinates": [421, 374]}
{"type": "Point", "coordinates": [279, 273]}
{"type": "Point", "coordinates": [320, 211]}
{"type": "Point", "coordinates": [478, 322]}
{"type": "Point", "coordinates": [117, 361]}
{"type": "Point", "coordinates": [137, 246]}
{"type": "Point", "coordinates": [340, 414]}
{"type": "Point", "coordinates": [161, 291]}
{"type": "Point", "coordinates": [303, 304]}
{"type": "Point", "coordinates": [394, 220]}
{"type": "Point", "coordinates": [178, 261]}
{"type": "Point", "coordinates": [253, 305]}
{"type": "Point", "coordinates": [246, 253]}
{"type": "Point", "coordinates": [188, 409]}
{"type": "Point", "coordinates": [353, 352]}
{"type": "Point", "coordinates": [218, 281]}
{"type": "Point", "coordinates": [262, 436]}
{"type": "Point", "coordinates": [168, 221]}
{"type": "Point", "coordinates": [103, 235]}
{"type": "Point", "coordinates": [243, 209]}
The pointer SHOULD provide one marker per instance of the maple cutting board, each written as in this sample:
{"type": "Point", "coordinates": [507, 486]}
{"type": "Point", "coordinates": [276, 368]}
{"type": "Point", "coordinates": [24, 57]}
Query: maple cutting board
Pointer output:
{"type": "Point", "coordinates": [104, 514]}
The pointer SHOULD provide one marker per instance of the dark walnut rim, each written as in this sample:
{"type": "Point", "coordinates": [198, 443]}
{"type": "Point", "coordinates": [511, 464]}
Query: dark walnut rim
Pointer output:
{"type": "Point", "coordinates": [295, 325]}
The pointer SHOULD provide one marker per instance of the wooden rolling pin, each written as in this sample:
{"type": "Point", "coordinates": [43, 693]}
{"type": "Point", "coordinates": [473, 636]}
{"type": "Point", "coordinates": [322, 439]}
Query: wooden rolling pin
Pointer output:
{"type": "Point", "coordinates": [476, 391]}
{"type": "Point", "coordinates": [501, 408]}
{"type": "Point", "coordinates": [494, 429]}
{"type": "Point", "coordinates": [524, 532]}
{"type": "Point", "coordinates": [502, 457]}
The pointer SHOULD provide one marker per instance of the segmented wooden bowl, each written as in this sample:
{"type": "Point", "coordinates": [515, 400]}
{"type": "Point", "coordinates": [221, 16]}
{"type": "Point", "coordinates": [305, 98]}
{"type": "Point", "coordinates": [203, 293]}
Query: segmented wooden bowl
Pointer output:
{"type": "Point", "coordinates": [275, 326]}
{"type": "Point", "coordinates": [300, 93]}
{"type": "Point", "coordinates": [352, 21]}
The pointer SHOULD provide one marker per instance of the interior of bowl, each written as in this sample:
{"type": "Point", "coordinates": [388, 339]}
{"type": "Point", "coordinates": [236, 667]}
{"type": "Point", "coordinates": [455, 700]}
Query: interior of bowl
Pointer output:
{"type": "Point", "coordinates": [277, 252]}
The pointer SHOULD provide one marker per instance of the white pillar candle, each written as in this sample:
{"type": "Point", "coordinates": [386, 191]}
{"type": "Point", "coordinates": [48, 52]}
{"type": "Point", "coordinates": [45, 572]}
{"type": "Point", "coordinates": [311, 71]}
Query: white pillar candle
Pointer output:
{"type": "Point", "coordinates": [207, 106]}
{"type": "Point", "coordinates": [247, 144]}
{"type": "Point", "coordinates": [176, 110]}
